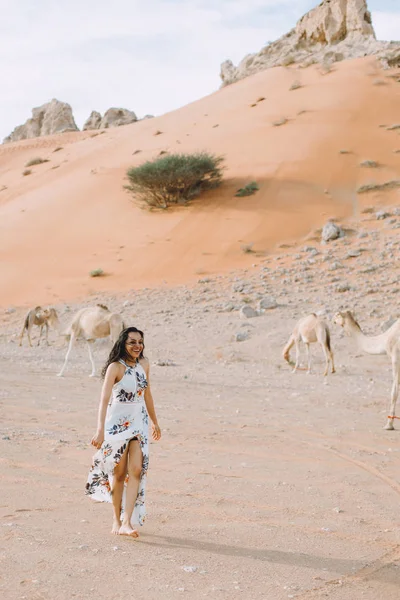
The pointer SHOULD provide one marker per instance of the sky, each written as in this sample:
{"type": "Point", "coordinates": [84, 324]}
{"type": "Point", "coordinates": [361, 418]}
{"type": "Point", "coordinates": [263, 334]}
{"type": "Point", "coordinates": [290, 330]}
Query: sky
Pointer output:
{"type": "Point", "coordinates": [150, 56]}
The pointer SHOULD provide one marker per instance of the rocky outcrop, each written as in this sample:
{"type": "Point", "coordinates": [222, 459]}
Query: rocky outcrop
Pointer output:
{"type": "Point", "coordinates": [50, 118]}
{"type": "Point", "coordinates": [113, 117]}
{"type": "Point", "coordinates": [333, 31]}
{"type": "Point", "coordinates": [93, 122]}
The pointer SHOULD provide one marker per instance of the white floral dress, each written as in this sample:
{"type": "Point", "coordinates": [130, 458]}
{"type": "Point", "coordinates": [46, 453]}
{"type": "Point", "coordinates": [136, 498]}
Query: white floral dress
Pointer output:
{"type": "Point", "coordinates": [126, 419]}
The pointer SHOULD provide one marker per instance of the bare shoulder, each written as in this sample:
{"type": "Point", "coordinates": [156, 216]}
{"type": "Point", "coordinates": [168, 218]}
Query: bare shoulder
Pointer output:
{"type": "Point", "coordinates": [145, 364]}
{"type": "Point", "coordinates": [115, 370]}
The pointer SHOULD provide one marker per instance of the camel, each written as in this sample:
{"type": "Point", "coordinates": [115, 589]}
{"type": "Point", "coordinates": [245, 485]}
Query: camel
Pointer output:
{"type": "Point", "coordinates": [92, 323]}
{"type": "Point", "coordinates": [41, 317]}
{"type": "Point", "coordinates": [385, 343]}
{"type": "Point", "coordinates": [309, 330]}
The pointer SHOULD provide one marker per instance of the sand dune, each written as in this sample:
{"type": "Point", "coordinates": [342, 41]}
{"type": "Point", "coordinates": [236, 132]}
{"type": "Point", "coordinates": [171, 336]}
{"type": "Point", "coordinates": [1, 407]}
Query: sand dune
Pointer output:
{"type": "Point", "coordinates": [72, 215]}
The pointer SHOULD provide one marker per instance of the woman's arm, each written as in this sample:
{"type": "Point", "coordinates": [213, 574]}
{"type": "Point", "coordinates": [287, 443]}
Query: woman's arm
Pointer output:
{"type": "Point", "coordinates": [109, 380]}
{"type": "Point", "coordinates": [148, 398]}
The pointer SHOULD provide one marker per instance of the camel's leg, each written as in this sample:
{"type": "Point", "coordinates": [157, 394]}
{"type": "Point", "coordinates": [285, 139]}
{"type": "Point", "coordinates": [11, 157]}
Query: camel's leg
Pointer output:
{"type": "Point", "coordinates": [395, 388]}
{"type": "Point", "coordinates": [71, 343]}
{"type": "Point", "coordinates": [287, 348]}
{"type": "Point", "coordinates": [327, 356]}
{"type": "Point", "coordinates": [40, 335]}
{"type": "Point", "coordinates": [47, 333]}
{"type": "Point", "coordinates": [296, 366]}
{"type": "Point", "coordinates": [22, 335]}
{"type": "Point", "coordinates": [93, 373]}
{"type": "Point", "coordinates": [332, 361]}
{"type": "Point", "coordinates": [308, 358]}
{"type": "Point", "coordinates": [28, 331]}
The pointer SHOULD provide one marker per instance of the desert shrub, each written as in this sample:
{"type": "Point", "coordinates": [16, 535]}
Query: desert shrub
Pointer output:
{"type": "Point", "coordinates": [58, 149]}
{"type": "Point", "coordinates": [295, 86]}
{"type": "Point", "coordinates": [247, 248]}
{"type": "Point", "coordinates": [36, 161]}
{"type": "Point", "coordinates": [248, 190]}
{"type": "Point", "coordinates": [369, 164]}
{"type": "Point", "coordinates": [378, 187]}
{"type": "Point", "coordinates": [26, 172]}
{"type": "Point", "coordinates": [96, 273]}
{"type": "Point", "coordinates": [175, 178]}
{"type": "Point", "coordinates": [280, 122]}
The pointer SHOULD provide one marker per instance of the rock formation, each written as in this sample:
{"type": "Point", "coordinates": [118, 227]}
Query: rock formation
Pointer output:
{"type": "Point", "coordinates": [93, 122]}
{"type": "Point", "coordinates": [53, 117]}
{"type": "Point", "coordinates": [333, 31]}
{"type": "Point", "coordinates": [113, 117]}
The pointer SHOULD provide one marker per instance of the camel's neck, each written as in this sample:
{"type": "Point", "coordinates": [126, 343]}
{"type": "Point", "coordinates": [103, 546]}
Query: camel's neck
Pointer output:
{"type": "Point", "coordinates": [374, 344]}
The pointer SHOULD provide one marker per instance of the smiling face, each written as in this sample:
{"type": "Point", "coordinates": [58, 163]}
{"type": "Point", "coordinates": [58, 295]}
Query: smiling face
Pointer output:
{"type": "Point", "coordinates": [134, 345]}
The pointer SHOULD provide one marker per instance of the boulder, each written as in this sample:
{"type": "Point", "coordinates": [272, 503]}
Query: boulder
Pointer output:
{"type": "Point", "coordinates": [93, 122]}
{"type": "Point", "coordinates": [247, 312]}
{"type": "Point", "coordinates": [268, 303]}
{"type": "Point", "coordinates": [115, 117]}
{"type": "Point", "coordinates": [53, 117]}
{"type": "Point", "coordinates": [331, 232]}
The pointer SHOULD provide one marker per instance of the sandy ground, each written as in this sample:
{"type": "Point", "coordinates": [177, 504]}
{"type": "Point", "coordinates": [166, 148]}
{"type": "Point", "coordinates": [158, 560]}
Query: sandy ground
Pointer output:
{"type": "Point", "coordinates": [264, 485]}
{"type": "Point", "coordinates": [71, 215]}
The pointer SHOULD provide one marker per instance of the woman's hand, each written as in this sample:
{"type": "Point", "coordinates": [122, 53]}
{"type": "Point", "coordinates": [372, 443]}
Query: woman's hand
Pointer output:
{"type": "Point", "coordinates": [98, 439]}
{"type": "Point", "coordinates": [156, 431]}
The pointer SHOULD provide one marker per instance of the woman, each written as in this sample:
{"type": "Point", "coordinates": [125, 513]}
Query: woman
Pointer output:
{"type": "Point", "coordinates": [118, 474]}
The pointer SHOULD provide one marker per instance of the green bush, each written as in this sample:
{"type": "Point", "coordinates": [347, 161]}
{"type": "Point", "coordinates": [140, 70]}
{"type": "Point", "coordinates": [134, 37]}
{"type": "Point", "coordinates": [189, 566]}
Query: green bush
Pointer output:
{"type": "Point", "coordinates": [175, 178]}
{"type": "Point", "coordinates": [96, 273]}
{"type": "Point", "coordinates": [248, 190]}
{"type": "Point", "coordinates": [36, 161]}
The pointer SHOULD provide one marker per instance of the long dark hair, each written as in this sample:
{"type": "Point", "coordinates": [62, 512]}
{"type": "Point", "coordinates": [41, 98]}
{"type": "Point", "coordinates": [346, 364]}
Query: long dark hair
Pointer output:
{"type": "Point", "coordinates": [118, 351]}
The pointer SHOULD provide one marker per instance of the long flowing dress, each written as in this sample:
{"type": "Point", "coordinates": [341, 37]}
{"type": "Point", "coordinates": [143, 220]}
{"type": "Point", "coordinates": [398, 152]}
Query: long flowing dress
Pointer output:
{"type": "Point", "coordinates": [126, 419]}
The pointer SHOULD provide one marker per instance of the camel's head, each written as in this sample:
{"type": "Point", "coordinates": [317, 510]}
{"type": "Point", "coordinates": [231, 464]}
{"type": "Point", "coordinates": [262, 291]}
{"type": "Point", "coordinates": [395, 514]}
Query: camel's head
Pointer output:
{"type": "Point", "coordinates": [339, 319]}
{"type": "Point", "coordinates": [51, 316]}
{"type": "Point", "coordinates": [346, 320]}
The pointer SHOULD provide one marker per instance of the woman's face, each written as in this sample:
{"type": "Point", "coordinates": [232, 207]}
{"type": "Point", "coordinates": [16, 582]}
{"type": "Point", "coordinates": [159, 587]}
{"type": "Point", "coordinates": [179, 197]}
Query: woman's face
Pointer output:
{"type": "Point", "coordinates": [134, 345]}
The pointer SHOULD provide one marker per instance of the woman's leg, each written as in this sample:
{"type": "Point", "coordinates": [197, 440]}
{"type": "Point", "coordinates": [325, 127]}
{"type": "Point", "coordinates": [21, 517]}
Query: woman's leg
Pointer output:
{"type": "Point", "coordinates": [135, 462]}
{"type": "Point", "coordinates": [117, 490]}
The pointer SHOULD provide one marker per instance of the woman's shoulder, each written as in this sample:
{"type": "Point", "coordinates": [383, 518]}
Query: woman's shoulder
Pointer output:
{"type": "Point", "coordinates": [144, 362]}
{"type": "Point", "coordinates": [115, 366]}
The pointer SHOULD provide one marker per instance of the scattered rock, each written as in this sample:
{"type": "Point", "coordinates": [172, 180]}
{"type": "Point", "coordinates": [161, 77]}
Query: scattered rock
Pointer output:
{"type": "Point", "coordinates": [343, 287]}
{"type": "Point", "coordinates": [268, 303]}
{"type": "Point", "coordinates": [331, 232]}
{"type": "Point", "coordinates": [382, 214]}
{"type": "Point", "coordinates": [242, 336]}
{"type": "Point", "coordinates": [247, 312]}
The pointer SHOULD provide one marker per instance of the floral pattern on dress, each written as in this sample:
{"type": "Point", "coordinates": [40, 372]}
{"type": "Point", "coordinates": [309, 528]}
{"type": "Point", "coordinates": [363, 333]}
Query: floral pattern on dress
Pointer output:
{"type": "Point", "coordinates": [122, 425]}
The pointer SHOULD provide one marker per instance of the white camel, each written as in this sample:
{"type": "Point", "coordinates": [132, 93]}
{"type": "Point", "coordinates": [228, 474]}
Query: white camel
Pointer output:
{"type": "Point", "coordinates": [309, 330]}
{"type": "Point", "coordinates": [385, 343]}
{"type": "Point", "coordinates": [92, 323]}
{"type": "Point", "coordinates": [41, 317]}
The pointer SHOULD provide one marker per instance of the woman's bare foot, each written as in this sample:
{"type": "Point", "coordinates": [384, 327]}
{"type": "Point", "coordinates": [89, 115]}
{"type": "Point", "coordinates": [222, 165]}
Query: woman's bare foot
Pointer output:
{"type": "Point", "coordinates": [116, 526]}
{"type": "Point", "coordinates": [126, 529]}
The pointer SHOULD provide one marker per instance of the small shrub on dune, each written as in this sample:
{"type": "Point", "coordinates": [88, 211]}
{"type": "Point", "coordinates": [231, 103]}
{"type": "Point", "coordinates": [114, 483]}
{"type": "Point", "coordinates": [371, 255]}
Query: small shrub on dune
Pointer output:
{"type": "Point", "coordinates": [96, 273]}
{"type": "Point", "coordinates": [175, 178]}
{"type": "Point", "coordinates": [247, 190]}
{"type": "Point", "coordinates": [36, 161]}
{"type": "Point", "coordinates": [26, 172]}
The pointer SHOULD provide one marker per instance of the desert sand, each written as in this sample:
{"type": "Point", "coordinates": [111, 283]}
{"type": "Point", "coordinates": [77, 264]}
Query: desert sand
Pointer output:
{"type": "Point", "coordinates": [265, 484]}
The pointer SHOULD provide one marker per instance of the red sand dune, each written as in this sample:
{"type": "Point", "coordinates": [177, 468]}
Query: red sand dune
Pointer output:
{"type": "Point", "coordinates": [58, 224]}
